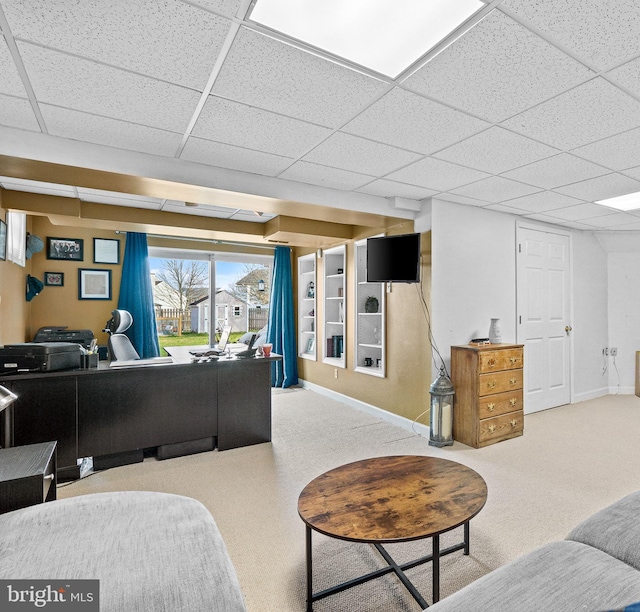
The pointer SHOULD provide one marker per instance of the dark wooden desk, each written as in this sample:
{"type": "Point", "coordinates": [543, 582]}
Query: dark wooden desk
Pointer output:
{"type": "Point", "coordinates": [107, 411]}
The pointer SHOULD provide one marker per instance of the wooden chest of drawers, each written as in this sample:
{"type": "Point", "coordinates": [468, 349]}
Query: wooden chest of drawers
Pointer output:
{"type": "Point", "coordinates": [488, 383]}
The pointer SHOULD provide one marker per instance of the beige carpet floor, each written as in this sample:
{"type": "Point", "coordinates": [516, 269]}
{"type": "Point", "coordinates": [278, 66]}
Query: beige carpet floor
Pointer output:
{"type": "Point", "coordinates": [571, 462]}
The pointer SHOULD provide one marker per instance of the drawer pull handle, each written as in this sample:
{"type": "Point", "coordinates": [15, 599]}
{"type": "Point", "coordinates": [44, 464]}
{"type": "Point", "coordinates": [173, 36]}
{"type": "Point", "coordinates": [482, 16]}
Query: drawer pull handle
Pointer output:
{"type": "Point", "coordinates": [491, 362]}
{"type": "Point", "coordinates": [513, 360]}
{"type": "Point", "coordinates": [513, 381]}
{"type": "Point", "coordinates": [491, 384]}
{"type": "Point", "coordinates": [491, 407]}
{"type": "Point", "coordinates": [49, 476]}
{"type": "Point", "coordinates": [492, 428]}
{"type": "Point", "coordinates": [513, 401]}
{"type": "Point", "coordinates": [513, 422]}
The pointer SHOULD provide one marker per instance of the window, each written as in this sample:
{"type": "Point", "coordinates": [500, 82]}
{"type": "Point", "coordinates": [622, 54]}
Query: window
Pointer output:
{"type": "Point", "coordinates": [237, 311]}
{"type": "Point", "coordinates": [16, 237]}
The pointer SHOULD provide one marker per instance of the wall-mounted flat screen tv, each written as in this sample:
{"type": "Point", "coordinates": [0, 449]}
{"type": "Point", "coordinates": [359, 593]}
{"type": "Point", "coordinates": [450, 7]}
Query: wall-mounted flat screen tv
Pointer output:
{"type": "Point", "coordinates": [393, 259]}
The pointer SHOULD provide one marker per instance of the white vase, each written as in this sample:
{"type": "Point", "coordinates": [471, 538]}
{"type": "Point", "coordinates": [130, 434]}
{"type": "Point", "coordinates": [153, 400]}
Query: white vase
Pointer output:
{"type": "Point", "coordinates": [495, 333]}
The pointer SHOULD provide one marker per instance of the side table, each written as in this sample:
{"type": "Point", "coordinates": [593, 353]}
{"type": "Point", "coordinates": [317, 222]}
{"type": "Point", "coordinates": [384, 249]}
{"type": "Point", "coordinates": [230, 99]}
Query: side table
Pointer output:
{"type": "Point", "coordinates": [27, 475]}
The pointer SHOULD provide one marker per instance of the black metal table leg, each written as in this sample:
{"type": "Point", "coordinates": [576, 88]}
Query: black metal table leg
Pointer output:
{"type": "Point", "coordinates": [435, 562]}
{"type": "Point", "coordinates": [466, 538]}
{"type": "Point", "coordinates": [309, 571]}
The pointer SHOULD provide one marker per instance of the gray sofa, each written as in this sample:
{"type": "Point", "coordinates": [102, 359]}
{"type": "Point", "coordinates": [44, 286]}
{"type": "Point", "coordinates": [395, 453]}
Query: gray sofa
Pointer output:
{"type": "Point", "coordinates": [150, 551]}
{"type": "Point", "coordinates": [596, 568]}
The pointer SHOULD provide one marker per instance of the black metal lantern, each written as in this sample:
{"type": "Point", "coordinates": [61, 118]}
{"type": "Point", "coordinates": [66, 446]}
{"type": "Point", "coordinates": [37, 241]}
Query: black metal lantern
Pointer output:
{"type": "Point", "coordinates": [441, 417]}
{"type": "Point", "coordinates": [260, 285]}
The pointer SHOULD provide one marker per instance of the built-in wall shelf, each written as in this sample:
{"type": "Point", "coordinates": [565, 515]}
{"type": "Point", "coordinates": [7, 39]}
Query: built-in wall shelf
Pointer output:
{"type": "Point", "coordinates": [307, 345]}
{"type": "Point", "coordinates": [370, 320]}
{"type": "Point", "coordinates": [334, 303]}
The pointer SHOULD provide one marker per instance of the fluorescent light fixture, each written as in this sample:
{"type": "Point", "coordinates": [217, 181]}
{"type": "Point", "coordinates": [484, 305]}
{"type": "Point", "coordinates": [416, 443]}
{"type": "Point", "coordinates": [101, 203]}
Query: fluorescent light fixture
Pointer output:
{"type": "Point", "coordinates": [631, 201]}
{"type": "Point", "coordinates": [384, 35]}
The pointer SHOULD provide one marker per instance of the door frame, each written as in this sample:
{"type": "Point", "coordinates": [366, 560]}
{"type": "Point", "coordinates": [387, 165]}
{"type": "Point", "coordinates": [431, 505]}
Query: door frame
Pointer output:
{"type": "Point", "coordinates": [547, 229]}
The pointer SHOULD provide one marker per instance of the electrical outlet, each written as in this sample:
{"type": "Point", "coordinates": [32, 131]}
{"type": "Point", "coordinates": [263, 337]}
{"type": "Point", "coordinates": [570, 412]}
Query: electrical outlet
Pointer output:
{"type": "Point", "coordinates": [605, 351]}
{"type": "Point", "coordinates": [614, 351]}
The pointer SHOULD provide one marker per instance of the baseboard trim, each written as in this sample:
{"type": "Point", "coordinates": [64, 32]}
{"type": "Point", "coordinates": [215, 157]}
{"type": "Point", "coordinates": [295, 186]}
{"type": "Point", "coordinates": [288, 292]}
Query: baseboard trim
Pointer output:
{"type": "Point", "coordinates": [380, 413]}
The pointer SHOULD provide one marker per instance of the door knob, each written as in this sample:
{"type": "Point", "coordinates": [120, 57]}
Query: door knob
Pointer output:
{"type": "Point", "coordinates": [568, 328]}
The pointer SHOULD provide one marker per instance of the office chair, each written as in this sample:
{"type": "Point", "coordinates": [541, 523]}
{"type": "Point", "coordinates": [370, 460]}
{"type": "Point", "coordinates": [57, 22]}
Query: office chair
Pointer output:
{"type": "Point", "coordinates": [119, 345]}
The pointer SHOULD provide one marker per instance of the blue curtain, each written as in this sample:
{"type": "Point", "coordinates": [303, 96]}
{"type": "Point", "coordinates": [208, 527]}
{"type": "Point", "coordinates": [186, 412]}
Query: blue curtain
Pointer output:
{"type": "Point", "coordinates": [281, 331]}
{"type": "Point", "coordinates": [136, 296]}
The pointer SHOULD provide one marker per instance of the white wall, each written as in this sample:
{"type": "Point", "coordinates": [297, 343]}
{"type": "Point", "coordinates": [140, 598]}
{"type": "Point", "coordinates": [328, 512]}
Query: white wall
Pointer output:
{"type": "Point", "coordinates": [473, 274]}
{"type": "Point", "coordinates": [474, 279]}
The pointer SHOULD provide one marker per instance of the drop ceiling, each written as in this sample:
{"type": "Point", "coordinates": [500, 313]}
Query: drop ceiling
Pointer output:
{"type": "Point", "coordinates": [531, 109]}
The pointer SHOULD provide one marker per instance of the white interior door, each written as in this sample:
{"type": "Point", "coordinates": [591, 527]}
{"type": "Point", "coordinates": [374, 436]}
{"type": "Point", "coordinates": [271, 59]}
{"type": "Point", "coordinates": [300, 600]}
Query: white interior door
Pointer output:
{"type": "Point", "coordinates": [543, 301]}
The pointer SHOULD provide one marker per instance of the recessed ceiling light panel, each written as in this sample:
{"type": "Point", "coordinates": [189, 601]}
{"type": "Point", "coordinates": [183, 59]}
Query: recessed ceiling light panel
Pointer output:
{"type": "Point", "coordinates": [631, 201]}
{"type": "Point", "coordinates": [384, 35]}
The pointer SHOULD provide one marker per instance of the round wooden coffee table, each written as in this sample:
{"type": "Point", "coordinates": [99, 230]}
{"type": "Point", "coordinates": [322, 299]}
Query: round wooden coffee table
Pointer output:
{"type": "Point", "coordinates": [391, 499]}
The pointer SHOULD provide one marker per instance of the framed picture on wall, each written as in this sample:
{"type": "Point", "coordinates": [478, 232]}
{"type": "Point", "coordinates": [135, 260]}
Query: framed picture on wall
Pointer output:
{"type": "Point", "coordinates": [3, 240]}
{"type": "Point", "coordinates": [106, 250]}
{"type": "Point", "coordinates": [54, 279]}
{"type": "Point", "coordinates": [94, 284]}
{"type": "Point", "coordinates": [65, 248]}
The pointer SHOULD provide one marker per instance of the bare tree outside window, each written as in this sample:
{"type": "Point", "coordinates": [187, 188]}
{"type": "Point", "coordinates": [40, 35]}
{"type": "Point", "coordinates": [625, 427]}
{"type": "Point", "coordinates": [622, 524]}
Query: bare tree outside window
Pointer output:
{"type": "Point", "coordinates": [182, 282]}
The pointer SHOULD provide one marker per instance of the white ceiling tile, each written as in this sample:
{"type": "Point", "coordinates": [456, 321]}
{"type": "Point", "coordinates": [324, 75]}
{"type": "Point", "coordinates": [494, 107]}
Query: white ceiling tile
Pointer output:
{"type": "Point", "coordinates": [556, 171]}
{"type": "Point", "coordinates": [618, 152]}
{"type": "Point", "coordinates": [409, 121]}
{"type": "Point", "coordinates": [63, 80]}
{"type": "Point", "coordinates": [561, 222]}
{"type": "Point", "coordinates": [169, 40]}
{"type": "Point", "coordinates": [250, 216]}
{"type": "Point", "coordinates": [497, 69]}
{"type": "Point", "coordinates": [628, 75]}
{"type": "Point", "coordinates": [542, 201]}
{"type": "Point", "coordinates": [581, 212]}
{"type": "Point", "coordinates": [269, 74]}
{"type": "Point", "coordinates": [356, 154]}
{"type": "Point", "coordinates": [110, 132]}
{"type": "Point", "coordinates": [495, 189]}
{"type": "Point", "coordinates": [10, 83]}
{"type": "Point", "coordinates": [602, 32]}
{"type": "Point", "coordinates": [388, 189]}
{"type": "Point", "coordinates": [246, 126]}
{"type": "Point", "coordinates": [100, 196]}
{"type": "Point", "coordinates": [612, 221]}
{"type": "Point", "coordinates": [460, 199]}
{"type": "Point", "coordinates": [228, 8]}
{"type": "Point", "coordinates": [16, 184]}
{"type": "Point", "coordinates": [17, 112]}
{"type": "Point", "coordinates": [314, 174]}
{"type": "Point", "coordinates": [587, 113]}
{"type": "Point", "coordinates": [235, 158]}
{"type": "Point", "coordinates": [437, 174]}
{"type": "Point", "coordinates": [495, 150]}
{"type": "Point", "coordinates": [602, 187]}
{"type": "Point", "coordinates": [633, 172]}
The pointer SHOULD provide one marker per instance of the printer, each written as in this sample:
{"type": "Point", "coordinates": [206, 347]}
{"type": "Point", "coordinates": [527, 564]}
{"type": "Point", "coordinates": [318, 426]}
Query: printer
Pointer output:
{"type": "Point", "coordinates": [40, 357]}
{"type": "Point", "coordinates": [62, 334]}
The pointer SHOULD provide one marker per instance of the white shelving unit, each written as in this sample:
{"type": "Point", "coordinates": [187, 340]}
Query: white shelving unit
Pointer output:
{"type": "Point", "coordinates": [334, 295]}
{"type": "Point", "coordinates": [370, 332]}
{"type": "Point", "coordinates": [307, 284]}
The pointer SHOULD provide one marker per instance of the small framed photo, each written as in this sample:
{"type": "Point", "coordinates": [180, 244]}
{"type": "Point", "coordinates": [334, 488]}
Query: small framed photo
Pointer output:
{"type": "Point", "coordinates": [65, 248]}
{"type": "Point", "coordinates": [311, 345]}
{"type": "Point", "coordinates": [94, 284]}
{"type": "Point", "coordinates": [106, 250]}
{"type": "Point", "coordinates": [54, 279]}
{"type": "Point", "coordinates": [3, 240]}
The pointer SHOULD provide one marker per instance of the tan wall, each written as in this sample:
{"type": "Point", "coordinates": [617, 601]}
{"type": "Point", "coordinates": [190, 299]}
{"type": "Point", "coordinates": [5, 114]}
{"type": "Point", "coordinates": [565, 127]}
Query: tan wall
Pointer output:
{"type": "Point", "coordinates": [60, 305]}
{"type": "Point", "coordinates": [405, 390]}
{"type": "Point", "coordinates": [14, 308]}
